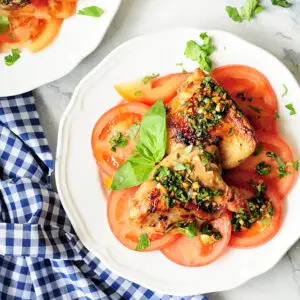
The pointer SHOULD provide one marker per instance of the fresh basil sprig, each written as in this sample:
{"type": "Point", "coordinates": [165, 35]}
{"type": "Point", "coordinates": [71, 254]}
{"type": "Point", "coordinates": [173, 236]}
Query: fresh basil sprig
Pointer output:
{"type": "Point", "coordinates": [150, 149]}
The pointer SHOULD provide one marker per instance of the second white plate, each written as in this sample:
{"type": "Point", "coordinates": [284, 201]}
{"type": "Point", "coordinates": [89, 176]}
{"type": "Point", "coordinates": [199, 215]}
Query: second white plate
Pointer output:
{"type": "Point", "coordinates": [77, 176]}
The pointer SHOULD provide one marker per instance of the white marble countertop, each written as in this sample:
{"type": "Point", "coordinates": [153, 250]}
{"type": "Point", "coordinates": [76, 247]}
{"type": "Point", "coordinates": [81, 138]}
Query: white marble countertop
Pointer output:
{"type": "Point", "coordinates": [276, 30]}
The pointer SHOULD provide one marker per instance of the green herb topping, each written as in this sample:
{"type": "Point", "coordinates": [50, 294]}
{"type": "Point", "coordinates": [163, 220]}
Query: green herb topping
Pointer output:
{"type": "Point", "coordinates": [291, 108]}
{"type": "Point", "coordinates": [208, 229]}
{"type": "Point", "coordinates": [262, 168]}
{"type": "Point", "coordinates": [4, 24]}
{"type": "Point", "coordinates": [13, 57]}
{"type": "Point", "coordinates": [143, 242]}
{"type": "Point", "coordinates": [256, 109]}
{"type": "Point", "coordinates": [181, 65]}
{"type": "Point", "coordinates": [258, 149]}
{"type": "Point", "coordinates": [189, 230]}
{"type": "Point", "coordinates": [282, 3]}
{"type": "Point", "coordinates": [201, 53]}
{"type": "Point", "coordinates": [149, 150]}
{"type": "Point", "coordinates": [177, 186]}
{"type": "Point", "coordinates": [118, 141]}
{"type": "Point", "coordinates": [148, 78]}
{"type": "Point", "coordinates": [285, 90]}
{"type": "Point", "coordinates": [91, 11]}
{"type": "Point", "coordinates": [259, 207]}
{"type": "Point", "coordinates": [205, 111]}
{"type": "Point", "coordinates": [276, 115]}
{"type": "Point", "coordinates": [248, 11]}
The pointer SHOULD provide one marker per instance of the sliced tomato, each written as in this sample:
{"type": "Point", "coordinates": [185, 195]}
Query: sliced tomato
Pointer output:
{"type": "Point", "coordinates": [126, 232]}
{"type": "Point", "coordinates": [162, 88]}
{"type": "Point", "coordinates": [261, 231]}
{"type": "Point", "coordinates": [118, 119]}
{"type": "Point", "coordinates": [193, 252]}
{"type": "Point", "coordinates": [252, 92]}
{"type": "Point", "coordinates": [273, 143]}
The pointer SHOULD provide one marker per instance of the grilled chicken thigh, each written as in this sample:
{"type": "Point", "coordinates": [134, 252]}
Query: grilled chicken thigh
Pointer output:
{"type": "Point", "coordinates": [186, 186]}
{"type": "Point", "coordinates": [204, 112]}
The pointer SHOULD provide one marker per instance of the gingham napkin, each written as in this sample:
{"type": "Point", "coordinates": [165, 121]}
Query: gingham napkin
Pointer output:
{"type": "Point", "coordinates": [41, 256]}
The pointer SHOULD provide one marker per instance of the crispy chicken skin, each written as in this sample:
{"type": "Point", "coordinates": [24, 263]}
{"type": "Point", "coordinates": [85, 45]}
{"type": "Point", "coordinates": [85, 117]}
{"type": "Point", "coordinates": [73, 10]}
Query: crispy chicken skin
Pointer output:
{"type": "Point", "coordinates": [200, 100]}
{"type": "Point", "coordinates": [150, 208]}
{"type": "Point", "coordinates": [13, 4]}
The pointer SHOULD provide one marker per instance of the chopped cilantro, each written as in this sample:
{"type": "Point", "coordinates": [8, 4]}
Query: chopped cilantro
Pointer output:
{"type": "Point", "coordinates": [143, 242]}
{"type": "Point", "coordinates": [291, 108]}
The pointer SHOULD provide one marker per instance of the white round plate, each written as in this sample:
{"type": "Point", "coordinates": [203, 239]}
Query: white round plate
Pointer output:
{"type": "Point", "coordinates": [78, 37]}
{"type": "Point", "coordinates": [77, 176]}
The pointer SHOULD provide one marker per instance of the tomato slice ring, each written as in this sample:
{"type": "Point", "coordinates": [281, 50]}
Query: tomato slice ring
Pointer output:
{"type": "Point", "coordinates": [193, 252]}
{"type": "Point", "coordinates": [252, 92]}
{"type": "Point", "coordinates": [117, 119]}
{"type": "Point", "coordinates": [260, 232]}
{"type": "Point", "coordinates": [126, 232]}
{"type": "Point", "coordinates": [273, 143]}
{"type": "Point", "coordinates": [162, 88]}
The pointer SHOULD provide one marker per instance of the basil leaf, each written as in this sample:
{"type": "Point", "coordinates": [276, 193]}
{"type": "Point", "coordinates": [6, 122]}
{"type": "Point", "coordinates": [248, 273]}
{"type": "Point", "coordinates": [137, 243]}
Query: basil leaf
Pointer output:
{"type": "Point", "coordinates": [134, 171]}
{"type": "Point", "coordinates": [4, 24]}
{"type": "Point", "coordinates": [234, 14]}
{"type": "Point", "coordinates": [143, 242]}
{"type": "Point", "coordinates": [13, 57]}
{"type": "Point", "coordinates": [291, 108]}
{"type": "Point", "coordinates": [91, 11]}
{"type": "Point", "coordinates": [282, 3]}
{"type": "Point", "coordinates": [248, 9]}
{"type": "Point", "coordinates": [153, 133]}
{"type": "Point", "coordinates": [192, 50]}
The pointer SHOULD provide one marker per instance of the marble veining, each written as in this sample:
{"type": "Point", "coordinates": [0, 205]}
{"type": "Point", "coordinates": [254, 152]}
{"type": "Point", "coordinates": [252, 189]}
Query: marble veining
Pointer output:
{"type": "Point", "coordinates": [276, 30]}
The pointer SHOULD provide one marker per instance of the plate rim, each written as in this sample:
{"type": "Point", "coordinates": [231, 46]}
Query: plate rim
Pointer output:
{"type": "Point", "coordinates": [68, 70]}
{"type": "Point", "coordinates": [89, 244]}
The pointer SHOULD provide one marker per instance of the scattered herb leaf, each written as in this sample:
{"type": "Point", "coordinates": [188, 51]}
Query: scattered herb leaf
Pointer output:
{"type": "Point", "coordinates": [258, 149]}
{"type": "Point", "coordinates": [234, 14]}
{"type": "Point", "coordinates": [91, 11]}
{"type": "Point", "coordinates": [138, 93]}
{"type": "Point", "coordinates": [291, 108]}
{"type": "Point", "coordinates": [256, 109]}
{"type": "Point", "coordinates": [276, 115]}
{"type": "Point", "coordinates": [262, 168]}
{"type": "Point", "coordinates": [190, 230]}
{"type": "Point", "coordinates": [285, 90]}
{"type": "Point", "coordinates": [148, 78]}
{"type": "Point", "coordinates": [143, 242]}
{"type": "Point", "coordinates": [282, 3]}
{"type": "Point", "coordinates": [4, 24]}
{"type": "Point", "coordinates": [13, 57]}
{"type": "Point", "coordinates": [118, 141]}
{"type": "Point", "coordinates": [133, 130]}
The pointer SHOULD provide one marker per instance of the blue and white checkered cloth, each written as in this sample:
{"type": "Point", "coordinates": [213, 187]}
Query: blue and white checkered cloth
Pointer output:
{"type": "Point", "coordinates": [40, 254]}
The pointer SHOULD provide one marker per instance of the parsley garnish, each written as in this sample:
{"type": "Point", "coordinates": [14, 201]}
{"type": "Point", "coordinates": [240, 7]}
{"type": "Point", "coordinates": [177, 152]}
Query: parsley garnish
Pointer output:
{"type": "Point", "coordinates": [13, 57]}
{"type": "Point", "coordinates": [138, 93]}
{"type": "Point", "coordinates": [148, 78]}
{"type": "Point", "coordinates": [282, 3]}
{"type": "Point", "coordinates": [143, 242]}
{"type": "Point", "coordinates": [200, 53]}
{"type": "Point", "coordinates": [91, 11]}
{"type": "Point", "coordinates": [248, 10]}
{"type": "Point", "coordinates": [258, 150]}
{"type": "Point", "coordinates": [291, 108]}
{"type": "Point", "coordinates": [285, 90]}
{"type": "Point", "coordinates": [256, 109]}
{"type": "Point", "coordinates": [189, 230]}
{"type": "Point", "coordinates": [281, 165]}
{"type": "Point", "coordinates": [181, 65]}
{"type": "Point", "coordinates": [118, 141]}
{"type": "Point", "coordinates": [262, 168]}
{"type": "Point", "coordinates": [276, 115]}
{"type": "Point", "coordinates": [4, 24]}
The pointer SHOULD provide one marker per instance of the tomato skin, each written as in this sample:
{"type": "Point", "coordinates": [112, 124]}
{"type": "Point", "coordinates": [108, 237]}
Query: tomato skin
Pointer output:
{"type": "Point", "coordinates": [126, 232]}
{"type": "Point", "coordinates": [164, 88]}
{"type": "Point", "coordinates": [259, 233]}
{"type": "Point", "coordinates": [258, 94]}
{"type": "Point", "coordinates": [273, 143]}
{"type": "Point", "coordinates": [119, 118]}
{"type": "Point", "coordinates": [193, 252]}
